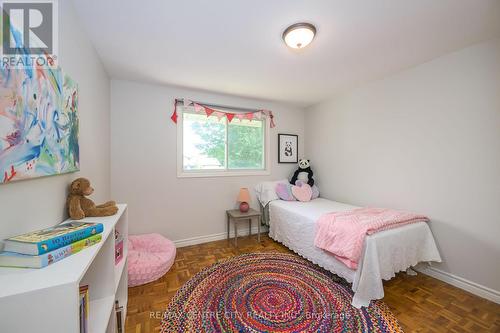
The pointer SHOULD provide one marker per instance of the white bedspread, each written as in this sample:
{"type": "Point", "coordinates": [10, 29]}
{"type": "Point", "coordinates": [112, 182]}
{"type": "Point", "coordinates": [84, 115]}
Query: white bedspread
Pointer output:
{"type": "Point", "coordinates": [385, 253]}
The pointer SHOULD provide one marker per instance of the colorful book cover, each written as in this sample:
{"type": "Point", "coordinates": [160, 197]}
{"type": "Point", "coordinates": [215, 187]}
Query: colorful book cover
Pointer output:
{"type": "Point", "coordinates": [46, 240]}
{"type": "Point", "coordinates": [23, 260]}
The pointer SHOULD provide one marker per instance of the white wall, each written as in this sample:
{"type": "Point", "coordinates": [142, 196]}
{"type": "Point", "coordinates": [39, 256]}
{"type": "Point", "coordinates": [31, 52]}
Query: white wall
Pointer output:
{"type": "Point", "coordinates": [37, 203]}
{"type": "Point", "coordinates": [426, 140]}
{"type": "Point", "coordinates": [143, 163]}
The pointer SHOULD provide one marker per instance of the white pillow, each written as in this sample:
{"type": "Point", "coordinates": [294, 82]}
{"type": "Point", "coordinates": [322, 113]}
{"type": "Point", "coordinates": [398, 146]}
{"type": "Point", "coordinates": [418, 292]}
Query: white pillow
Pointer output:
{"type": "Point", "coordinates": [266, 191]}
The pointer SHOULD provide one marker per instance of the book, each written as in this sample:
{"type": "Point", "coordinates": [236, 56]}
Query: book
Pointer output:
{"type": "Point", "coordinates": [118, 247]}
{"type": "Point", "coordinates": [118, 251]}
{"type": "Point", "coordinates": [46, 240]}
{"type": "Point", "coordinates": [12, 259]}
{"type": "Point", "coordinates": [119, 320]}
{"type": "Point", "coordinates": [84, 308]}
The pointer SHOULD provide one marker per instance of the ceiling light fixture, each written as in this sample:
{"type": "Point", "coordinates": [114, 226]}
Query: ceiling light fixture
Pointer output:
{"type": "Point", "coordinates": [299, 35]}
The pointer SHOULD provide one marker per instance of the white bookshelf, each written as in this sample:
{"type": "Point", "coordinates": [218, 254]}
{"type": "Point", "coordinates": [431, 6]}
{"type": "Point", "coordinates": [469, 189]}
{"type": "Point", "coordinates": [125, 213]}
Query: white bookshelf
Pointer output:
{"type": "Point", "coordinates": [47, 299]}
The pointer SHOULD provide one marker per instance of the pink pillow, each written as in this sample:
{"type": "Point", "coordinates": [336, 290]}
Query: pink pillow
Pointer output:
{"type": "Point", "coordinates": [284, 191]}
{"type": "Point", "coordinates": [302, 193]}
{"type": "Point", "coordinates": [314, 188]}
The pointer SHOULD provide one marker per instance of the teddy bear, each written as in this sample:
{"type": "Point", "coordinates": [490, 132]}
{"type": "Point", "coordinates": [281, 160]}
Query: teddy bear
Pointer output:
{"type": "Point", "coordinates": [79, 206]}
{"type": "Point", "coordinates": [303, 173]}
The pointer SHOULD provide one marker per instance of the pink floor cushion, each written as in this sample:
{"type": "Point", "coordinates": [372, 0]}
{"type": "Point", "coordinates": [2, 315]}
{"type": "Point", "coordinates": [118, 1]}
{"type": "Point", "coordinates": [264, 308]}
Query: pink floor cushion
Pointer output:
{"type": "Point", "coordinates": [150, 256]}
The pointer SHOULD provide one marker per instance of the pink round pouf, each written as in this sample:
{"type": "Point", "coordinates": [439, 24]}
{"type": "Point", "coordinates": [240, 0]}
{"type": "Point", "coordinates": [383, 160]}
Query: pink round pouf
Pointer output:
{"type": "Point", "coordinates": [149, 256]}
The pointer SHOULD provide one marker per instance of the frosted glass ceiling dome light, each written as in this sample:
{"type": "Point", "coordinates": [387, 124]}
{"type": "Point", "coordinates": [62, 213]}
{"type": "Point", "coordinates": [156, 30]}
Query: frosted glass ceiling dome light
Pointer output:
{"type": "Point", "coordinates": [299, 35]}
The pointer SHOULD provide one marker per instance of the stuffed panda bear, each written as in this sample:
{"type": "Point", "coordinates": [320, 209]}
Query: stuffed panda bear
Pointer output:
{"type": "Point", "coordinates": [303, 173]}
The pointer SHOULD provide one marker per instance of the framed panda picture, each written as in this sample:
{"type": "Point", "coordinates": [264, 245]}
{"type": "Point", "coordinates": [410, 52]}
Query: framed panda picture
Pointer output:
{"type": "Point", "coordinates": [288, 148]}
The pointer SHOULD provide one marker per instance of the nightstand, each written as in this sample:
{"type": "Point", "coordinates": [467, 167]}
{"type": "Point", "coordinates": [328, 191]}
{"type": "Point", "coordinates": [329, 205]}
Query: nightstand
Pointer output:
{"type": "Point", "coordinates": [234, 215]}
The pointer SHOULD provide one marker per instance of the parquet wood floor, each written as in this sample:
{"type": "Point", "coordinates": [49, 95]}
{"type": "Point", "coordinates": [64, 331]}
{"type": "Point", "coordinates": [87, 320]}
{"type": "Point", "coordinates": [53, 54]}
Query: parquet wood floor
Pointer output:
{"type": "Point", "coordinates": [421, 303]}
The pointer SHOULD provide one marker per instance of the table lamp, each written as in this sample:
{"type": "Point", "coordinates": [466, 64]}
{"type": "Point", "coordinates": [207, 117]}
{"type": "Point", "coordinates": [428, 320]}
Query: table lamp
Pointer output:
{"type": "Point", "coordinates": [244, 199]}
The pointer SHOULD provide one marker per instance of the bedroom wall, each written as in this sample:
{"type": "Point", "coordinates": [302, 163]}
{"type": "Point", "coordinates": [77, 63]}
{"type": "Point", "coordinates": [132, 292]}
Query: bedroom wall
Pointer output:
{"type": "Point", "coordinates": [37, 203]}
{"type": "Point", "coordinates": [143, 163]}
{"type": "Point", "coordinates": [428, 140]}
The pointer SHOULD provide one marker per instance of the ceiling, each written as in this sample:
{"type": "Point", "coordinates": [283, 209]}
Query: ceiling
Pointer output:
{"type": "Point", "coordinates": [235, 46]}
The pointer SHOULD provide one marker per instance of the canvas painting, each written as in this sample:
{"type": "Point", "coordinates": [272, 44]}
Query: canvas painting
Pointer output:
{"type": "Point", "coordinates": [38, 123]}
{"type": "Point", "coordinates": [288, 148]}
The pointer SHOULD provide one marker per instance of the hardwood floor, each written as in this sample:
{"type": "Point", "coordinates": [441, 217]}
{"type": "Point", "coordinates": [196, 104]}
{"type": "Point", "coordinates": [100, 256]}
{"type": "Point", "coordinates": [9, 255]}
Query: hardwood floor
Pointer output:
{"type": "Point", "coordinates": [421, 303]}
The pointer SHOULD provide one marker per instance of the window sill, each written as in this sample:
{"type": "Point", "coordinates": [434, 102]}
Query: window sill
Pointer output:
{"type": "Point", "coordinates": [207, 174]}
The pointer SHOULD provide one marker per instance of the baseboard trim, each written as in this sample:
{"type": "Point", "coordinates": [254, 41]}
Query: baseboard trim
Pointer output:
{"type": "Point", "coordinates": [459, 282]}
{"type": "Point", "coordinates": [214, 237]}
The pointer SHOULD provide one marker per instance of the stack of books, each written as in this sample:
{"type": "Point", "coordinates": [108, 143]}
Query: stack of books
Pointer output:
{"type": "Point", "coordinates": [44, 247]}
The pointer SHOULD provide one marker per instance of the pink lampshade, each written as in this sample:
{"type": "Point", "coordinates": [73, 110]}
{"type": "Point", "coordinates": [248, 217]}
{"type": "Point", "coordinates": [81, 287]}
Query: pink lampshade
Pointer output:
{"type": "Point", "coordinates": [244, 195]}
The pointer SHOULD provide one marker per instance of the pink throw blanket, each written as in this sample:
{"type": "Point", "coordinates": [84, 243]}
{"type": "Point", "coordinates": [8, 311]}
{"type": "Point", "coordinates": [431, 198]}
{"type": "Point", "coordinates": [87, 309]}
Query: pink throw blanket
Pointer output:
{"type": "Point", "coordinates": [343, 233]}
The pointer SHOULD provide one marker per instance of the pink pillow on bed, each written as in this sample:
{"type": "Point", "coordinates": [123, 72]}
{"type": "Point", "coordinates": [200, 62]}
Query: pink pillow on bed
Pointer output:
{"type": "Point", "coordinates": [302, 193]}
{"type": "Point", "coordinates": [284, 191]}
{"type": "Point", "coordinates": [314, 188]}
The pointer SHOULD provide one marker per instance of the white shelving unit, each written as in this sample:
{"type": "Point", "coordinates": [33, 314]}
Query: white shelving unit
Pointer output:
{"type": "Point", "coordinates": [47, 299]}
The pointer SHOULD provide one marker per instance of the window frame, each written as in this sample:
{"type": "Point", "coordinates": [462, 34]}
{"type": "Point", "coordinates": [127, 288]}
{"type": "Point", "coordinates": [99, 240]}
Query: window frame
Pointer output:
{"type": "Point", "coordinates": [181, 173]}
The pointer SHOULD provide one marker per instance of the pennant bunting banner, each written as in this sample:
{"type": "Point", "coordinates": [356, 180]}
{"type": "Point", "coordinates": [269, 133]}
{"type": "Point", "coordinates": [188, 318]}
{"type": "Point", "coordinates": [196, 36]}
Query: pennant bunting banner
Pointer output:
{"type": "Point", "coordinates": [174, 114]}
{"type": "Point", "coordinates": [219, 115]}
{"type": "Point", "coordinates": [209, 111]}
{"type": "Point", "coordinates": [269, 114]}
{"type": "Point", "coordinates": [200, 108]}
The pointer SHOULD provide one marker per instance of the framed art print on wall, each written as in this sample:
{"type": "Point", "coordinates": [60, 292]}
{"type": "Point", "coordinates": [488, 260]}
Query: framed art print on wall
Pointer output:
{"type": "Point", "coordinates": [38, 123]}
{"type": "Point", "coordinates": [288, 148]}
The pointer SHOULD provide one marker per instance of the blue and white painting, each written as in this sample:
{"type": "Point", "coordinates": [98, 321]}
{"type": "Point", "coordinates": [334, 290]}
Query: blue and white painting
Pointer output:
{"type": "Point", "coordinates": [38, 123]}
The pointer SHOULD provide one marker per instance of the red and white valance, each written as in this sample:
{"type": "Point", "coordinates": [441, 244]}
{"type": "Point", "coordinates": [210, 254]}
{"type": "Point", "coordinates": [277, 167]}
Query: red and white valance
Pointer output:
{"type": "Point", "coordinates": [210, 111]}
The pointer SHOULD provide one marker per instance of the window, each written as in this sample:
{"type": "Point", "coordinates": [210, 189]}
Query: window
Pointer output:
{"type": "Point", "coordinates": [209, 146]}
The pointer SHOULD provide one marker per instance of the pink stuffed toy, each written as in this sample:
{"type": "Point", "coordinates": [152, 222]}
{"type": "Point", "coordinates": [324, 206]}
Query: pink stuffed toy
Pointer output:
{"type": "Point", "coordinates": [302, 193]}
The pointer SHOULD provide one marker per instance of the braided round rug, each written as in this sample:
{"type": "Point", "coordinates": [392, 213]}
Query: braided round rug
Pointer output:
{"type": "Point", "coordinates": [271, 292]}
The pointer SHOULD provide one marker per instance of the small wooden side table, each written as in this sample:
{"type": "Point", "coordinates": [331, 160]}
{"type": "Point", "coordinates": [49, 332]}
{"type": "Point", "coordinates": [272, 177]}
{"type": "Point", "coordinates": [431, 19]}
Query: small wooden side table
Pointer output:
{"type": "Point", "coordinates": [234, 215]}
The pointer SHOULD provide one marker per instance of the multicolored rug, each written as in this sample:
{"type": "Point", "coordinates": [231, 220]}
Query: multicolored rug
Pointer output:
{"type": "Point", "coordinates": [271, 292]}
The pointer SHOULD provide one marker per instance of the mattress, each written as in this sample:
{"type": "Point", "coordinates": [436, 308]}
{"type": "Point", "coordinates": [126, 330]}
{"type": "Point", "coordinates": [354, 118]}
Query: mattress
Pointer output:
{"type": "Point", "coordinates": [293, 224]}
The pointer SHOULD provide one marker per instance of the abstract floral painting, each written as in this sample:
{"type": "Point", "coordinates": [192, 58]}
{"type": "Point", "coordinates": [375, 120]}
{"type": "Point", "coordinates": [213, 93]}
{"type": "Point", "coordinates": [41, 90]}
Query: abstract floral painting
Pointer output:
{"type": "Point", "coordinates": [38, 123]}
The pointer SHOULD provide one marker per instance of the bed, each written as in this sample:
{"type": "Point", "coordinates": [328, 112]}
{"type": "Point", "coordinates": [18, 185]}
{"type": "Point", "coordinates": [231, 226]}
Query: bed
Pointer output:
{"type": "Point", "coordinates": [292, 223]}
